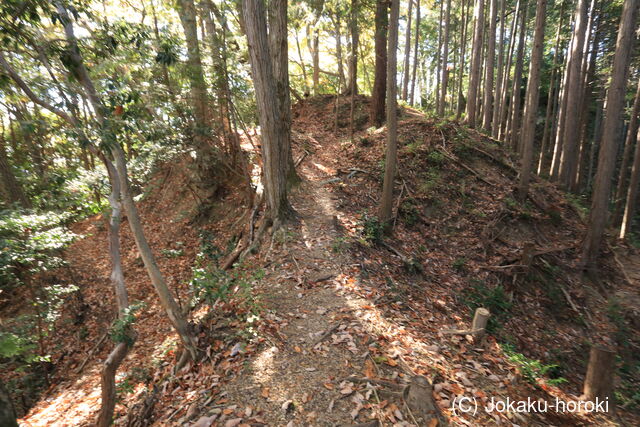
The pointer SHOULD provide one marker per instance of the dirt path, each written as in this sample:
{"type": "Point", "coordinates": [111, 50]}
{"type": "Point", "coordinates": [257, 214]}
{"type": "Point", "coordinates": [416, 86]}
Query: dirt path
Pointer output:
{"type": "Point", "coordinates": [293, 380]}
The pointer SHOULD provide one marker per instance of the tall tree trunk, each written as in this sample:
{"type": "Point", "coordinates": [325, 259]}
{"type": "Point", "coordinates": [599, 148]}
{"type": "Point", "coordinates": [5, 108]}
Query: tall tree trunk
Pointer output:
{"type": "Point", "coordinates": [415, 54]}
{"type": "Point", "coordinates": [513, 128]}
{"type": "Point", "coordinates": [445, 60]}
{"type": "Point", "coordinates": [553, 92]}
{"type": "Point", "coordinates": [353, 60]}
{"type": "Point", "coordinates": [632, 191]}
{"type": "Point", "coordinates": [337, 23]}
{"type": "Point", "coordinates": [499, 73]}
{"type": "Point", "coordinates": [279, 50]}
{"type": "Point", "coordinates": [611, 129]}
{"type": "Point", "coordinates": [554, 168]}
{"type": "Point", "coordinates": [463, 46]}
{"type": "Point", "coordinates": [380, 79]}
{"type": "Point", "coordinates": [476, 61]}
{"type": "Point", "coordinates": [589, 68]}
{"type": "Point", "coordinates": [626, 156]}
{"type": "Point", "coordinates": [487, 104]}
{"type": "Point", "coordinates": [407, 52]}
{"type": "Point", "coordinates": [386, 200]}
{"type": "Point", "coordinates": [504, 96]}
{"type": "Point", "coordinates": [200, 102]}
{"type": "Point", "coordinates": [568, 160]}
{"type": "Point", "coordinates": [117, 355]}
{"type": "Point", "coordinates": [439, 58]}
{"type": "Point", "coordinates": [273, 135]}
{"type": "Point", "coordinates": [531, 102]}
{"type": "Point", "coordinates": [313, 42]}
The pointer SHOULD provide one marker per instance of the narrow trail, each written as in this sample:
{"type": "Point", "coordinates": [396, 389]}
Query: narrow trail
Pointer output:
{"type": "Point", "coordinates": [295, 381]}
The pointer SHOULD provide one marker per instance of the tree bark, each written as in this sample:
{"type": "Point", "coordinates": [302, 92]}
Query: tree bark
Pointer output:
{"type": "Point", "coordinates": [118, 354]}
{"type": "Point", "coordinates": [339, 57]}
{"type": "Point", "coordinates": [463, 42]}
{"type": "Point", "coordinates": [386, 200]}
{"type": "Point", "coordinates": [553, 92]}
{"type": "Point", "coordinates": [201, 112]}
{"type": "Point", "coordinates": [445, 59]}
{"type": "Point", "coordinates": [632, 191]}
{"type": "Point", "coordinates": [487, 108]}
{"type": "Point", "coordinates": [415, 54]}
{"type": "Point", "coordinates": [513, 128]}
{"type": "Point", "coordinates": [274, 159]}
{"type": "Point", "coordinates": [380, 79]}
{"type": "Point", "coordinates": [353, 60]}
{"type": "Point", "coordinates": [499, 73]}
{"type": "Point", "coordinates": [531, 102]}
{"type": "Point", "coordinates": [568, 160]}
{"type": "Point", "coordinates": [598, 382]}
{"type": "Point", "coordinates": [626, 156]}
{"type": "Point", "coordinates": [279, 49]}
{"type": "Point", "coordinates": [476, 61]}
{"type": "Point", "coordinates": [407, 52]}
{"type": "Point", "coordinates": [611, 128]}
{"type": "Point", "coordinates": [504, 96]}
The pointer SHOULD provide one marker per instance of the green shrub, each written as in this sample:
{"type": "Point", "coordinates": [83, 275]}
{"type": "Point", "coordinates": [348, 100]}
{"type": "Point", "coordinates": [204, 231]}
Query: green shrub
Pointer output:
{"type": "Point", "coordinates": [372, 229]}
{"type": "Point", "coordinates": [493, 299]}
{"type": "Point", "coordinates": [532, 369]}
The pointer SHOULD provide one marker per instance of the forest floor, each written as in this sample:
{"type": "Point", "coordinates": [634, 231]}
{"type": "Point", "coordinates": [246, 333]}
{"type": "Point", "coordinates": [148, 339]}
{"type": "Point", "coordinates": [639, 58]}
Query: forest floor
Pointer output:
{"type": "Point", "coordinates": [340, 319]}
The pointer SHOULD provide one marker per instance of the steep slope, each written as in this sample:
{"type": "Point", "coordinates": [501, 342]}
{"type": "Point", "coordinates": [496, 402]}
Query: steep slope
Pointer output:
{"type": "Point", "coordinates": [328, 322]}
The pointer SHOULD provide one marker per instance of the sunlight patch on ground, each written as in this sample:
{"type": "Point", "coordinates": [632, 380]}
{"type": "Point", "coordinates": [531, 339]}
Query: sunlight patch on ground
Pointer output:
{"type": "Point", "coordinates": [263, 365]}
{"type": "Point", "coordinates": [74, 405]}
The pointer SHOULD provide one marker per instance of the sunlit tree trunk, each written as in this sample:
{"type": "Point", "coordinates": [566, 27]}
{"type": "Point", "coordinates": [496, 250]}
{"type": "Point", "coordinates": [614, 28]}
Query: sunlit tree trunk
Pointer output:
{"type": "Point", "coordinates": [386, 200]}
{"type": "Point", "coordinates": [499, 73]}
{"type": "Point", "coordinates": [337, 23]}
{"type": "Point", "coordinates": [626, 157]}
{"type": "Point", "coordinates": [611, 128]}
{"type": "Point", "coordinates": [353, 59]}
{"type": "Point", "coordinates": [279, 50]}
{"type": "Point", "coordinates": [407, 52]}
{"type": "Point", "coordinates": [531, 102]}
{"type": "Point", "coordinates": [460, 104]}
{"type": "Point", "coordinates": [632, 191]}
{"type": "Point", "coordinates": [445, 59]}
{"type": "Point", "coordinates": [513, 126]}
{"type": "Point", "coordinates": [550, 115]}
{"type": "Point", "coordinates": [476, 62]}
{"type": "Point", "coordinates": [569, 158]}
{"type": "Point", "coordinates": [415, 54]}
{"type": "Point", "coordinates": [274, 151]}
{"type": "Point", "coordinates": [487, 109]}
{"type": "Point", "coordinates": [202, 135]}
{"type": "Point", "coordinates": [380, 79]}
{"type": "Point", "coordinates": [504, 96]}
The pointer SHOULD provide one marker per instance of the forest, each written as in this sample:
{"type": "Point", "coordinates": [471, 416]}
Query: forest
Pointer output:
{"type": "Point", "coordinates": [319, 213]}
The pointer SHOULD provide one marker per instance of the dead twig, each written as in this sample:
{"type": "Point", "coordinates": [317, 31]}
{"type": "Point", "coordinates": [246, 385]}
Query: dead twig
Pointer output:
{"type": "Point", "coordinates": [93, 350]}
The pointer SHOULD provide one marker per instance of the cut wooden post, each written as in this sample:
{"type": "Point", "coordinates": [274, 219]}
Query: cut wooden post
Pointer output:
{"type": "Point", "coordinates": [599, 380]}
{"type": "Point", "coordinates": [480, 319]}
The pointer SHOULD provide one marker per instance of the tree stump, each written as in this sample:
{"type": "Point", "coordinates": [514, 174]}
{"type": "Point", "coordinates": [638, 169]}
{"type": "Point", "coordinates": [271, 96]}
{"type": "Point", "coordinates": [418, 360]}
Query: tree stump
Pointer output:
{"type": "Point", "coordinates": [480, 319]}
{"type": "Point", "coordinates": [419, 396]}
{"type": "Point", "coordinates": [598, 382]}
